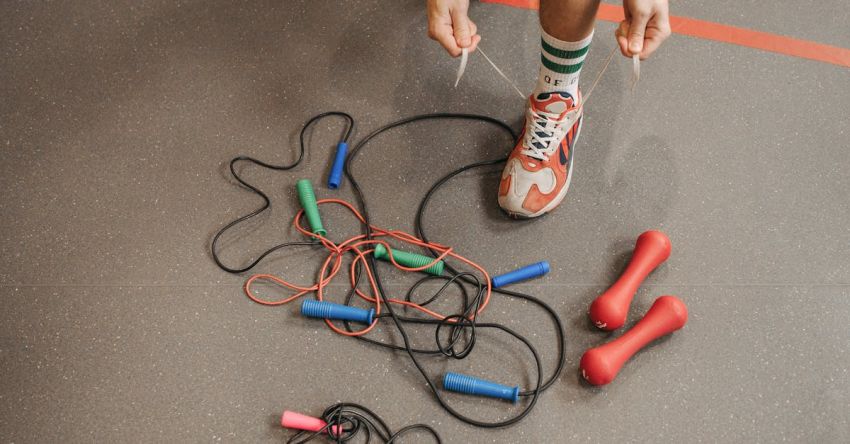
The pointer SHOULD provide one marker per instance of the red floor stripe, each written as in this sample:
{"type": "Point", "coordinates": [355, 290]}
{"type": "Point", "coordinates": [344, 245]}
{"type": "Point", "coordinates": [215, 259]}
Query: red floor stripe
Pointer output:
{"type": "Point", "coordinates": [724, 33]}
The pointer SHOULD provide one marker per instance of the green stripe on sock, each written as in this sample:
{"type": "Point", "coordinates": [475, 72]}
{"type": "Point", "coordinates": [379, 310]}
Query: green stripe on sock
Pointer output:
{"type": "Point", "coordinates": [564, 54]}
{"type": "Point", "coordinates": [560, 69]}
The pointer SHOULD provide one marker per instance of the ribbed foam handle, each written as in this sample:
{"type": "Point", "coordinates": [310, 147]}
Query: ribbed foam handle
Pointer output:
{"type": "Point", "coordinates": [329, 310]}
{"type": "Point", "coordinates": [315, 309]}
{"type": "Point", "coordinates": [410, 260]}
{"type": "Point", "coordinates": [521, 274]}
{"type": "Point", "coordinates": [460, 383]}
{"type": "Point", "coordinates": [471, 385]}
{"type": "Point", "coordinates": [311, 208]}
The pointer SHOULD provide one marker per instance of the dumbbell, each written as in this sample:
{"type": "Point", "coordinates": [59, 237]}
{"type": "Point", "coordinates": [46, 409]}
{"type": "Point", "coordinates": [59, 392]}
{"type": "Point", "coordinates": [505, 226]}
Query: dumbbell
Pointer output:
{"type": "Point", "coordinates": [600, 365]}
{"type": "Point", "coordinates": [610, 309]}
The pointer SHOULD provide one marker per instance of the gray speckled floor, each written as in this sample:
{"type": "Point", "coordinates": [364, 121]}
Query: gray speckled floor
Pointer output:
{"type": "Point", "coordinates": [116, 124]}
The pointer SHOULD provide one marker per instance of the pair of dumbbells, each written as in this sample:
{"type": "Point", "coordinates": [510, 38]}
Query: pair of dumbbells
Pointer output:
{"type": "Point", "coordinates": [600, 365]}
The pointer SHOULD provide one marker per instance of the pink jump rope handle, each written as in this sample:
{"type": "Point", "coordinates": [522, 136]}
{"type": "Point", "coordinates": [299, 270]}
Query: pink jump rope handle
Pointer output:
{"type": "Point", "coordinates": [600, 365]}
{"type": "Point", "coordinates": [610, 309]}
{"type": "Point", "coordinates": [294, 420]}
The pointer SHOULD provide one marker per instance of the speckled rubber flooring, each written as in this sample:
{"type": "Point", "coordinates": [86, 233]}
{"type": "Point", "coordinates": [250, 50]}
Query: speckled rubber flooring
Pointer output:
{"type": "Point", "coordinates": [117, 120]}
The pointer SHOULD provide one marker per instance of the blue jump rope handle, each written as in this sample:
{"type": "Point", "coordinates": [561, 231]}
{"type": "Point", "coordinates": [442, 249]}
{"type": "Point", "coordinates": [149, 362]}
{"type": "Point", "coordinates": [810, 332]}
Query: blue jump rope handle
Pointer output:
{"type": "Point", "coordinates": [328, 310]}
{"type": "Point", "coordinates": [335, 178]}
{"type": "Point", "coordinates": [521, 274]}
{"type": "Point", "coordinates": [471, 385]}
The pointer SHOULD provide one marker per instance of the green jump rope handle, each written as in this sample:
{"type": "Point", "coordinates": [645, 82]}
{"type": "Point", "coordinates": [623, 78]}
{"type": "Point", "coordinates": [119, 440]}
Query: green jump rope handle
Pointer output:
{"type": "Point", "coordinates": [410, 260]}
{"type": "Point", "coordinates": [308, 203]}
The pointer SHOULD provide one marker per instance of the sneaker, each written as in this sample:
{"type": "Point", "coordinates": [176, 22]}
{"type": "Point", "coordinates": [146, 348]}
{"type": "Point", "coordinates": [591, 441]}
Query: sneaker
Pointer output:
{"type": "Point", "coordinates": [538, 172]}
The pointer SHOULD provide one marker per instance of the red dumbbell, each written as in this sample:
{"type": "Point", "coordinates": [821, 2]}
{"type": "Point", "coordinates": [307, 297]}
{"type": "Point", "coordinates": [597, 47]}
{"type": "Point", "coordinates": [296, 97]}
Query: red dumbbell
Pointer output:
{"type": "Point", "coordinates": [600, 365]}
{"type": "Point", "coordinates": [610, 309]}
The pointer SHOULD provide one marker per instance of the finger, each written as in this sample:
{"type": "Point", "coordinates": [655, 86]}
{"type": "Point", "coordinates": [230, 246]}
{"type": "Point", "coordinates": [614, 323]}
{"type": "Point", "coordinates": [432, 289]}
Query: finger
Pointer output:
{"type": "Point", "coordinates": [649, 46]}
{"type": "Point", "coordinates": [657, 31]}
{"type": "Point", "coordinates": [637, 30]}
{"type": "Point", "coordinates": [651, 43]}
{"type": "Point", "coordinates": [460, 23]}
{"type": "Point", "coordinates": [474, 45]}
{"type": "Point", "coordinates": [622, 40]}
{"type": "Point", "coordinates": [473, 30]}
{"type": "Point", "coordinates": [443, 34]}
{"type": "Point", "coordinates": [449, 43]}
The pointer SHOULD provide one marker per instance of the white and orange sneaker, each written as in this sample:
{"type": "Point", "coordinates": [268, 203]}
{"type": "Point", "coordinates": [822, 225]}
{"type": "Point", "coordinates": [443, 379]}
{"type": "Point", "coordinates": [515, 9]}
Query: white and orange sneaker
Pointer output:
{"type": "Point", "coordinates": [538, 172]}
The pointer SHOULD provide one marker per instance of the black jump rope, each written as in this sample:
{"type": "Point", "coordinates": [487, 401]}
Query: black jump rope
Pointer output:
{"type": "Point", "coordinates": [461, 335]}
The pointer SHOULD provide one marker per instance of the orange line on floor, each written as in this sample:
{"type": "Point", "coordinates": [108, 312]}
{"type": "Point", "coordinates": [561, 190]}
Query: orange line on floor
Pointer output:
{"type": "Point", "coordinates": [702, 29]}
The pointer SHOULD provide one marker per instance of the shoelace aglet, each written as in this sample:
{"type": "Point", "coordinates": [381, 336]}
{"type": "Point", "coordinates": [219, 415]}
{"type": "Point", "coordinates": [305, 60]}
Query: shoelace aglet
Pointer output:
{"type": "Point", "coordinates": [464, 57]}
{"type": "Point", "coordinates": [635, 71]}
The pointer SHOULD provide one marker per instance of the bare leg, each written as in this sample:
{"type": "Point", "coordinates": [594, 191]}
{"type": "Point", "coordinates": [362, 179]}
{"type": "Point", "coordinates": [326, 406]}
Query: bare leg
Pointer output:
{"type": "Point", "coordinates": [568, 20]}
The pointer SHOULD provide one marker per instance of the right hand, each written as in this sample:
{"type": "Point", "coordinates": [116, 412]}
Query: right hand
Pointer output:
{"type": "Point", "coordinates": [449, 24]}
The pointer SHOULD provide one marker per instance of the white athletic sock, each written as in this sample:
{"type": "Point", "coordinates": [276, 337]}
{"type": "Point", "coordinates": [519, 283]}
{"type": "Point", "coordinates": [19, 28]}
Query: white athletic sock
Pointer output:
{"type": "Point", "coordinates": [560, 64]}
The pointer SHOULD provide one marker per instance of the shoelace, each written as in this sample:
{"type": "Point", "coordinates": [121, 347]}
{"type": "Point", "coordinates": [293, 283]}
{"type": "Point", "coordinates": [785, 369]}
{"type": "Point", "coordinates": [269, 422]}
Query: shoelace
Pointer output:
{"type": "Point", "coordinates": [546, 132]}
{"type": "Point", "coordinates": [558, 130]}
{"type": "Point", "coordinates": [538, 142]}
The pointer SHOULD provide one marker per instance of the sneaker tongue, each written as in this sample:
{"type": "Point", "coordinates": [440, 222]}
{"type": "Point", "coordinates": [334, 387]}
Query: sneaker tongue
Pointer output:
{"type": "Point", "coordinates": [553, 102]}
{"type": "Point", "coordinates": [557, 107]}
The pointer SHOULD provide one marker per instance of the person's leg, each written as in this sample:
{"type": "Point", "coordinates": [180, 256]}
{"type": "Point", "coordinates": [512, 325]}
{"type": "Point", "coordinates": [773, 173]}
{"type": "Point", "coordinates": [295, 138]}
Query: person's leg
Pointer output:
{"type": "Point", "coordinates": [566, 29]}
{"type": "Point", "coordinates": [538, 171]}
{"type": "Point", "coordinates": [568, 20]}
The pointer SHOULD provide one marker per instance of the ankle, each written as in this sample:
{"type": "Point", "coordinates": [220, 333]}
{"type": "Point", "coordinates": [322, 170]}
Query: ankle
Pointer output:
{"type": "Point", "coordinates": [560, 64]}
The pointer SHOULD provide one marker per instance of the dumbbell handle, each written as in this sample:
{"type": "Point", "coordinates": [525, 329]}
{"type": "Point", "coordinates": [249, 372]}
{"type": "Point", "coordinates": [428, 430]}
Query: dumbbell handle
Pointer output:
{"type": "Point", "coordinates": [610, 309]}
{"type": "Point", "coordinates": [600, 365]}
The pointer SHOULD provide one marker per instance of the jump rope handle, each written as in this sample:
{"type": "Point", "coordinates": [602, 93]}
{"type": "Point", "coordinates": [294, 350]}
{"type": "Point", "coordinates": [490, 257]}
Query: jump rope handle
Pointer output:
{"type": "Point", "coordinates": [521, 274]}
{"type": "Point", "coordinates": [471, 385]}
{"type": "Point", "coordinates": [600, 365]}
{"type": "Point", "coordinates": [610, 309]}
{"type": "Point", "coordinates": [329, 310]}
{"type": "Point", "coordinates": [308, 202]}
{"type": "Point", "coordinates": [298, 421]}
{"type": "Point", "coordinates": [335, 177]}
{"type": "Point", "coordinates": [410, 260]}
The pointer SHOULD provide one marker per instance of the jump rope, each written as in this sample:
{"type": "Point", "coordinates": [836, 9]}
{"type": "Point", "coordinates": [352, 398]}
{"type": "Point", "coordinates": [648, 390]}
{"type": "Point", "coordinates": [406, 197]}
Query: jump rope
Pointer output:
{"type": "Point", "coordinates": [455, 334]}
{"type": "Point", "coordinates": [345, 421]}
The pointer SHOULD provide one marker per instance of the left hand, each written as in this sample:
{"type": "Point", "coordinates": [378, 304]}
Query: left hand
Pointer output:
{"type": "Point", "coordinates": [647, 24]}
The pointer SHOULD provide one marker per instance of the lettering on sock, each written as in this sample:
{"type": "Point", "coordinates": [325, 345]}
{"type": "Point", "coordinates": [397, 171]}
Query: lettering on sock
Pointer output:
{"type": "Point", "coordinates": [551, 81]}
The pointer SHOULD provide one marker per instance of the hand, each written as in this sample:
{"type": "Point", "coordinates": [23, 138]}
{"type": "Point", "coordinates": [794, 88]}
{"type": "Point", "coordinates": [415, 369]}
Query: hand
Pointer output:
{"type": "Point", "coordinates": [647, 24]}
{"type": "Point", "coordinates": [449, 24]}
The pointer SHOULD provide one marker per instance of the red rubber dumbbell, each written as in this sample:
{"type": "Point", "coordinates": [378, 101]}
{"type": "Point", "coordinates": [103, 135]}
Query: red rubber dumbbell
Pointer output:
{"type": "Point", "coordinates": [610, 309]}
{"type": "Point", "coordinates": [600, 365]}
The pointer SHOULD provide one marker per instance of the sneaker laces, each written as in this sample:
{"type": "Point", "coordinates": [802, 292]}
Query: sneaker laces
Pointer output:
{"type": "Point", "coordinates": [545, 133]}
